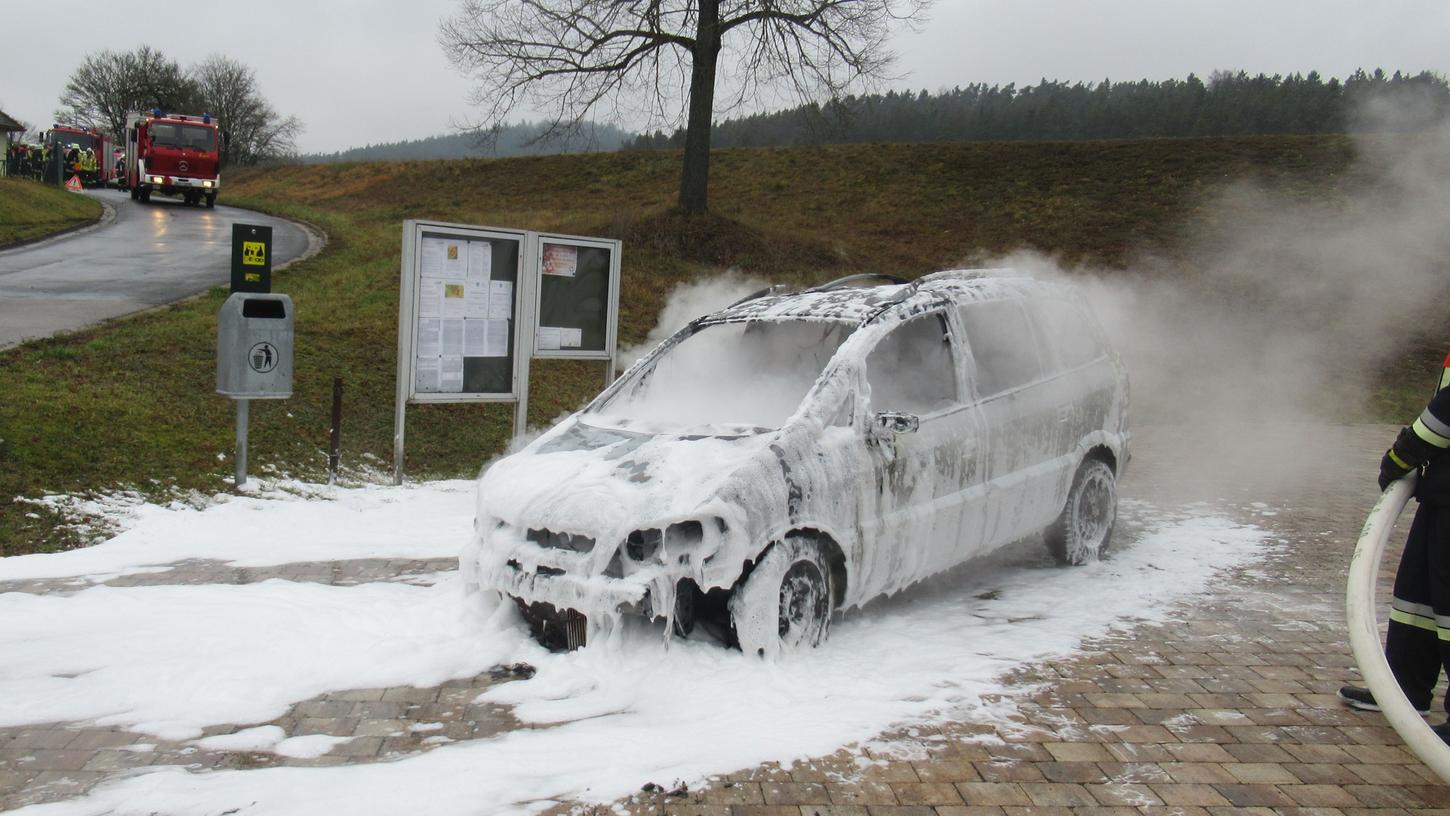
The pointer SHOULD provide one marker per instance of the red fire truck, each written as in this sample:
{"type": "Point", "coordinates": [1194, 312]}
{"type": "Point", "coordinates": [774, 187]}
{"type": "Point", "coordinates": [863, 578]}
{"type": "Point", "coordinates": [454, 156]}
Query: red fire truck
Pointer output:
{"type": "Point", "coordinates": [173, 154]}
{"type": "Point", "coordinates": [64, 136]}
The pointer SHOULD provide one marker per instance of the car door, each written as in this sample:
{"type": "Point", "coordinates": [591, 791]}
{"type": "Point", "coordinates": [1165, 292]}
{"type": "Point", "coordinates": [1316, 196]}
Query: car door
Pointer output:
{"type": "Point", "coordinates": [924, 445]}
{"type": "Point", "coordinates": [1020, 416]}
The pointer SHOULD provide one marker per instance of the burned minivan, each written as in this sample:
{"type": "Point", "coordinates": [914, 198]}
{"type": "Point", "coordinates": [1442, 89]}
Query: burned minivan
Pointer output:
{"type": "Point", "coordinates": [801, 453]}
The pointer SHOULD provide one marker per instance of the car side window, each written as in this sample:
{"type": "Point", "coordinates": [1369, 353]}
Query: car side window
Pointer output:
{"type": "Point", "coordinates": [1002, 345]}
{"type": "Point", "coordinates": [911, 370]}
{"type": "Point", "coordinates": [1068, 331]}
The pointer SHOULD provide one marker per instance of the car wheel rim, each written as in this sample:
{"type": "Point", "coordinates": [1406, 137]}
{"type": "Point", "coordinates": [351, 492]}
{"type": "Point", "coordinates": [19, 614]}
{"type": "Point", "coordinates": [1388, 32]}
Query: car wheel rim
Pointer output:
{"type": "Point", "coordinates": [1092, 516]}
{"type": "Point", "coordinates": [802, 604]}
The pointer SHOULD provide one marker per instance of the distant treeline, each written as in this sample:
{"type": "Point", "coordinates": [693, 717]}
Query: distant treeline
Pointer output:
{"type": "Point", "coordinates": [512, 140]}
{"type": "Point", "coordinates": [1227, 104]}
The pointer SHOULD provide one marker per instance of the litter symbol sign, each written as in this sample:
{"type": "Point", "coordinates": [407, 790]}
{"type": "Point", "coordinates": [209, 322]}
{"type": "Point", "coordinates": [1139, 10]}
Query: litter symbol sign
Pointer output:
{"type": "Point", "coordinates": [262, 357]}
{"type": "Point", "coordinates": [254, 253]}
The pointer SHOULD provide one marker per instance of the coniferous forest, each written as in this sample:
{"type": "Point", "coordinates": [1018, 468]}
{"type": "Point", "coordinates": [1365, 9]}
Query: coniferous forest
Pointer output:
{"type": "Point", "coordinates": [1226, 104]}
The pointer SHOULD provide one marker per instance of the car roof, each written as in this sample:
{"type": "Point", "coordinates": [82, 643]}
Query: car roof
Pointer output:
{"type": "Point", "coordinates": [845, 302]}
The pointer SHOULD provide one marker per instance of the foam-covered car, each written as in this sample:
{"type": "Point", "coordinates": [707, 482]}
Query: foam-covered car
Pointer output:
{"type": "Point", "coordinates": [800, 453]}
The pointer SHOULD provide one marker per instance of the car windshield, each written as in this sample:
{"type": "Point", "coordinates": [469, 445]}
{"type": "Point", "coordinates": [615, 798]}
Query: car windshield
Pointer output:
{"type": "Point", "coordinates": [174, 135]}
{"type": "Point", "coordinates": [725, 378]}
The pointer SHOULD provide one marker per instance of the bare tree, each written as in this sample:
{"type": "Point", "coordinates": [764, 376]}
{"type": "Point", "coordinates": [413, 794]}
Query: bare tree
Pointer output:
{"type": "Point", "coordinates": [255, 132]}
{"type": "Point", "coordinates": [572, 57]}
{"type": "Point", "coordinates": [108, 84]}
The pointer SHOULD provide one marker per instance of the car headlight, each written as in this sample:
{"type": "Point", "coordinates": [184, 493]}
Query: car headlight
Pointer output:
{"type": "Point", "coordinates": [156, 180]}
{"type": "Point", "coordinates": [206, 184]}
{"type": "Point", "coordinates": [676, 543]}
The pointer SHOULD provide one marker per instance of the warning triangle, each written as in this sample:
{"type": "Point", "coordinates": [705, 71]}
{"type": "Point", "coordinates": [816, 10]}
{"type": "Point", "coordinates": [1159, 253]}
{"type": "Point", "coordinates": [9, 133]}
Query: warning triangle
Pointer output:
{"type": "Point", "coordinates": [74, 184]}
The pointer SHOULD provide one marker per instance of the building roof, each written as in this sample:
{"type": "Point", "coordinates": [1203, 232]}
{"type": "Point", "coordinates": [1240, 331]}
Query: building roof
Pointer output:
{"type": "Point", "coordinates": [9, 125]}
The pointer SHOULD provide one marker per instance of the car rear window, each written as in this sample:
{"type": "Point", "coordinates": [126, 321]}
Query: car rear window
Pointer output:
{"type": "Point", "coordinates": [1002, 345]}
{"type": "Point", "coordinates": [1068, 331]}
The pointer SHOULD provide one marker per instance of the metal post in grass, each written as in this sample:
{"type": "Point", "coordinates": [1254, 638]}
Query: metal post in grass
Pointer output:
{"type": "Point", "coordinates": [241, 454]}
{"type": "Point", "coordinates": [334, 450]}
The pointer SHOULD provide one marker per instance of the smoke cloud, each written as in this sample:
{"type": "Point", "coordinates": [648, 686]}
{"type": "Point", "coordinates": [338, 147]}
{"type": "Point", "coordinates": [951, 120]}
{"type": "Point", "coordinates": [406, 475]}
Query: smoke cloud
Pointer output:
{"type": "Point", "coordinates": [689, 301]}
{"type": "Point", "coordinates": [1274, 315]}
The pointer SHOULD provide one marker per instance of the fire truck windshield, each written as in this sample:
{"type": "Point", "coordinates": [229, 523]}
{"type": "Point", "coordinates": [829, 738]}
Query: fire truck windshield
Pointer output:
{"type": "Point", "coordinates": [174, 135]}
{"type": "Point", "coordinates": [84, 140]}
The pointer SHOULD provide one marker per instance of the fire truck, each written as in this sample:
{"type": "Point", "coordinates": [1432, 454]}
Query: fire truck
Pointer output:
{"type": "Point", "coordinates": [173, 154]}
{"type": "Point", "coordinates": [63, 137]}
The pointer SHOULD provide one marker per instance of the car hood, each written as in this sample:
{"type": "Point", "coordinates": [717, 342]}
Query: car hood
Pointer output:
{"type": "Point", "coordinates": [607, 483]}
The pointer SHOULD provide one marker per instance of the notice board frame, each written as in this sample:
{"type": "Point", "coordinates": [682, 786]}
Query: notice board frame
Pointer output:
{"type": "Point", "coordinates": [611, 312]}
{"type": "Point", "coordinates": [520, 332]}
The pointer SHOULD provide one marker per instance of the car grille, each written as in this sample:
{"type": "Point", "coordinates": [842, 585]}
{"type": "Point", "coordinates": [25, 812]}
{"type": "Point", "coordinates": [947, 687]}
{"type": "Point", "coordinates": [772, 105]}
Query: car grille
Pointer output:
{"type": "Point", "coordinates": [551, 540]}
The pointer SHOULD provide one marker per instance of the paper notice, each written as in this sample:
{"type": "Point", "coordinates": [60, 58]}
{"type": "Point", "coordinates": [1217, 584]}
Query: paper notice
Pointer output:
{"type": "Point", "coordinates": [495, 338]}
{"type": "Point", "coordinates": [434, 252]}
{"type": "Point", "coordinates": [475, 338]}
{"type": "Point", "coordinates": [430, 298]}
{"type": "Point", "coordinates": [571, 338]}
{"type": "Point", "coordinates": [455, 258]}
{"type": "Point", "coordinates": [476, 299]}
{"type": "Point", "coordinates": [429, 337]}
{"type": "Point", "coordinates": [450, 374]}
{"type": "Point", "coordinates": [455, 298]}
{"type": "Point", "coordinates": [451, 337]}
{"type": "Point", "coordinates": [561, 260]}
{"type": "Point", "coordinates": [500, 300]}
{"type": "Point", "coordinates": [480, 261]}
{"type": "Point", "coordinates": [426, 381]}
{"type": "Point", "coordinates": [546, 338]}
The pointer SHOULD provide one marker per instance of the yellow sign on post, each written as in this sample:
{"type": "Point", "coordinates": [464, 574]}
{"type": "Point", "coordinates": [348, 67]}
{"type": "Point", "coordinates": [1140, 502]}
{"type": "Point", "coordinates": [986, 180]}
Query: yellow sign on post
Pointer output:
{"type": "Point", "coordinates": [251, 258]}
{"type": "Point", "coordinates": [254, 253]}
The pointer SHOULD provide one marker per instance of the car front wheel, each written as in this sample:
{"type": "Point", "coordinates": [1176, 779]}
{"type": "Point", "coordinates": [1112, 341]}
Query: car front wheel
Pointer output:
{"type": "Point", "coordinates": [786, 602]}
{"type": "Point", "coordinates": [1083, 531]}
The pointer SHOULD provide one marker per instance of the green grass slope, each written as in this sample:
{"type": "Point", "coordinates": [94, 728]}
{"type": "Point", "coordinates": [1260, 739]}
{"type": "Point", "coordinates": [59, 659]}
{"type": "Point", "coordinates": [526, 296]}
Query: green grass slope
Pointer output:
{"type": "Point", "coordinates": [131, 404]}
{"type": "Point", "coordinates": [31, 210]}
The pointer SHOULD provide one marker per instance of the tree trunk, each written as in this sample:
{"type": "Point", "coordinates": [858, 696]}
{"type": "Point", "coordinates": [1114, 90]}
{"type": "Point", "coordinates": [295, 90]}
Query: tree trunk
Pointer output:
{"type": "Point", "coordinates": [695, 176]}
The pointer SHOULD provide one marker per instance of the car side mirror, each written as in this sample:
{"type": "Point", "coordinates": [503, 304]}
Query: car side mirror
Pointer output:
{"type": "Point", "coordinates": [896, 422]}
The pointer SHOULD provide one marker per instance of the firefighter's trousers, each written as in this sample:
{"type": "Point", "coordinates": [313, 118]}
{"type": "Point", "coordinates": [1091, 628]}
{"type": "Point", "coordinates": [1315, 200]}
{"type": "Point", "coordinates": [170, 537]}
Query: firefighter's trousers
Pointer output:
{"type": "Point", "coordinates": [1418, 643]}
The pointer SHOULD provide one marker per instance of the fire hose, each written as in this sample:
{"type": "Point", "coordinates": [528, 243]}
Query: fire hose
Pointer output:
{"type": "Point", "coordinates": [1364, 631]}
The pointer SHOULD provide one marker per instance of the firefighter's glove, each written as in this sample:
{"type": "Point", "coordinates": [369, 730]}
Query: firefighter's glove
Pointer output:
{"type": "Point", "coordinates": [1392, 468]}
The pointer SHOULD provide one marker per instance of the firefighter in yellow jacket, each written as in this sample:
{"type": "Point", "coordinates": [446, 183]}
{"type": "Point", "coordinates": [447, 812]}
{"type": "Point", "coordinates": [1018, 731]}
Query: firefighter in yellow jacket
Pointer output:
{"type": "Point", "coordinates": [1418, 643]}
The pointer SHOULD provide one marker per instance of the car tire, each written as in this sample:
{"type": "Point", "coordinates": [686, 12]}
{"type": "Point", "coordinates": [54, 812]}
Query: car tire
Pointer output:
{"type": "Point", "coordinates": [210, 200]}
{"type": "Point", "coordinates": [1085, 529]}
{"type": "Point", "coordinates": [786, 602]}
{"type": "Point", "coordinates": [135, 194]}
{"type": "Point", "coordinates": [144, 196]}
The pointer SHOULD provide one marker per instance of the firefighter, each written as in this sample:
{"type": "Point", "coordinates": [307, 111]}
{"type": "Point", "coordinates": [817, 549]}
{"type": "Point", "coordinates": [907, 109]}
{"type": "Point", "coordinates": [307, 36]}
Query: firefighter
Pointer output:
{"type": "Point", "coordinates": [88, 165]}
{"type": "Point", "coordinates": [1418, 643]}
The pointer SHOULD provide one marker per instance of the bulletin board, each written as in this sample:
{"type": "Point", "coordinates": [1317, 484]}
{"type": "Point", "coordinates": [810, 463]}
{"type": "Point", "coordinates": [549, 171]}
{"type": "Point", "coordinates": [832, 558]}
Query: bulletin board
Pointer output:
{"type": "Point", "coordinates": [578, 297]}
{"type": "Point", "coordinates": [459, 327]}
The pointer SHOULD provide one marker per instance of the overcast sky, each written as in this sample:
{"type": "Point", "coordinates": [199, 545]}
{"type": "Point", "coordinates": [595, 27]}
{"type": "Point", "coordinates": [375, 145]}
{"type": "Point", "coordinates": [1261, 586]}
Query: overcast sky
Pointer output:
{"type": "Point", "coordinates": [367, 71]}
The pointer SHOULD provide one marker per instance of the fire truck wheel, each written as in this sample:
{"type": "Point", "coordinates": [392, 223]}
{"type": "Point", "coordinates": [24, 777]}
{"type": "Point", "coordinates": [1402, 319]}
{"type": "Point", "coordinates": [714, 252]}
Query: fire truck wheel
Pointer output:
{"type": "Point", "coordinates": [145, 196]}
{"type": "Point", "coordinates": [210, 200]}
{"type": "Point", "coordinates": [134, 194]}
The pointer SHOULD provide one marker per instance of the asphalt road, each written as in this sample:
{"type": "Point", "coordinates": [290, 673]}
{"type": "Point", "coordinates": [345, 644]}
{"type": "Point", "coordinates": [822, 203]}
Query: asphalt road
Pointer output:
{"type": "Point", "coordinates": [151, 254]}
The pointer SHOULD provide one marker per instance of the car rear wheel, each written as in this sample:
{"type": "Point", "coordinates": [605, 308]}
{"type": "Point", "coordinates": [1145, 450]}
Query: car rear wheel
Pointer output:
{"type": "Point", "coordinates": [786, 602]}
{"type": "Point", "coordinates": [1085, 528]}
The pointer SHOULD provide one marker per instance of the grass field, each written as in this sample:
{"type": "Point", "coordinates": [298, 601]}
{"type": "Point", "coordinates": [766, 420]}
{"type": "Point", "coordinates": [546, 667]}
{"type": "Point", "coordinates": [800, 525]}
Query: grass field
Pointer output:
{"type": "Point", "coordinates": [30, 210]}
{"type": "Point", "coordinates": [131, 404]}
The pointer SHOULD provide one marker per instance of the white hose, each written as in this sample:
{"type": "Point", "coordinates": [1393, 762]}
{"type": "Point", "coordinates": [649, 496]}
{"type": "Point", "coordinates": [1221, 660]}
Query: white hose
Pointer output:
{"type": "Point", "coordinates": [1364, 631]}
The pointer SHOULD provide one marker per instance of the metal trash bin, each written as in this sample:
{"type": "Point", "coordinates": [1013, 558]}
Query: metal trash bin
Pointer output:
{"type": "Point", "coordinates": [254, 346]}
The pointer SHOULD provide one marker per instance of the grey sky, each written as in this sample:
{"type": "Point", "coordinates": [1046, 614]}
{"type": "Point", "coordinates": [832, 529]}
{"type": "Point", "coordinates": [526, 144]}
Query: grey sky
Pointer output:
{"type": "Point", "coordinates": [366, 71]}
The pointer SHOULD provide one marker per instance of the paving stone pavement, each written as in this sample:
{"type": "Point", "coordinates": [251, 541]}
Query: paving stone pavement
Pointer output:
{"type": "Point", "coordinates": [1226, 705]}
